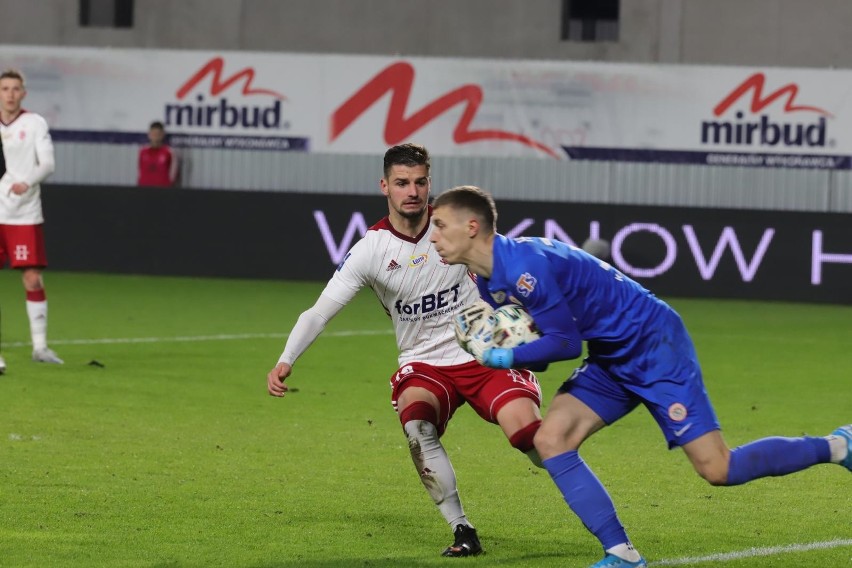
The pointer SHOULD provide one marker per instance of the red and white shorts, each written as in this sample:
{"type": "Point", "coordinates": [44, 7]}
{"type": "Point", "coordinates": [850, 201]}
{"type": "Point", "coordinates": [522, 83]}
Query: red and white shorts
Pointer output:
{"type": "Point", "coordinates": [486, 390]}
{"type": "Point", "coordinates": [22, 246]}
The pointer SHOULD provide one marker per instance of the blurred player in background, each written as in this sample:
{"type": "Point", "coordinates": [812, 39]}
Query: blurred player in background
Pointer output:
{"type": "Point", "coordinates": [639, 353]}
{"type": "Point", "coordinates": [599, 248]}
{"type": "Point", "coordinates": [421, 294]}
{"type": "Point", "coordinates": [28, 152]}
{"type": "Point", "coordinates": [158, 164]}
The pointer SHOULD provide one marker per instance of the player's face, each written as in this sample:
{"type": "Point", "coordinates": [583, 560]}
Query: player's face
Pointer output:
{"type": "Point", "coordinates": [407, 190]}
{"type": "Point", "coordinates": [12, 92]}
{"type": "Point", "coordinates": [450, 234]}
{"type": "Point", "coordinates": [156, 137]}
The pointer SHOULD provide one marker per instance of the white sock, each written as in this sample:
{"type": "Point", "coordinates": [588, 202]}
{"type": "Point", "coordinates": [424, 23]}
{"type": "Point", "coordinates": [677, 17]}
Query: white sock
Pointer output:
{"type": "Point", "coordinates": [625, 551]}
{"type": "Point", "coordinates": [436, 471]}
{"type": "Point", "coordinates": [37, 311]}
{"type": "Point", "coordinates": [839, 448]}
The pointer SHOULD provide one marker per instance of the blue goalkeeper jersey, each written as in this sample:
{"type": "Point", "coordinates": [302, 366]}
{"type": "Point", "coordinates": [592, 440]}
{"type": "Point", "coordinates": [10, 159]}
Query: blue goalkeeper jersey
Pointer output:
{"type": "Point", "coordinates": [573, 296]}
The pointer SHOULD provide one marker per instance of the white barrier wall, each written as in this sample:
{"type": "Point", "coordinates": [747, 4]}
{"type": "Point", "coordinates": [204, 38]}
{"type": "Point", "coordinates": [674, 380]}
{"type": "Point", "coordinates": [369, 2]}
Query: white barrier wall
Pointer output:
{"type": "Point", "coordinates": [609, 133]}
{"type": "Point", "coordinates": [336, 104]}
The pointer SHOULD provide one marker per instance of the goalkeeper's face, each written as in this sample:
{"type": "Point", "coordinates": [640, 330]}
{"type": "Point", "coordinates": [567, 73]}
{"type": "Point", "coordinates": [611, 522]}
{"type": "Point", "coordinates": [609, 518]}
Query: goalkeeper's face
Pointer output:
{"type": "Point", "coordinates": [451, 234]}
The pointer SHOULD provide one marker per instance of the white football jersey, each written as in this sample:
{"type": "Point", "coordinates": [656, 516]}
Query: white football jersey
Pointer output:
{"type": "Point", "coordinates": [28, 150]}
{"type": "Point", "coordinates": [418, 290]}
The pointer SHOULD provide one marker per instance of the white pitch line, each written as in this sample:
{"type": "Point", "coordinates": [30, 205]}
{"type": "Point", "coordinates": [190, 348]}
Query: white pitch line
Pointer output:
{"type": "Point", "coordinates": [193, 338]}
{"type": "Point", "coordinates": [754, 552]}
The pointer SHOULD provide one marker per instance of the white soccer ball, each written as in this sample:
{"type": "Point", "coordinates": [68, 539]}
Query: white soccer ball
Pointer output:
{"type": "Point", "coordinates": [473, 328]}
{"type": "Point", "coordinates": [511, 326]}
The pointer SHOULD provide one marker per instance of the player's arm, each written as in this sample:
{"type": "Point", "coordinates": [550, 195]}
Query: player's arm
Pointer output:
{"type": "Point", "coordinates": [139, 166]}
{"type": "Point", "coordinates": [560, 339]}
{"type": "Point", "coordinates": [44, 155]}
{"type": "Point", "coordinates": [308, 327]}
{"type": "Point", "coordinates": [174, 167]}
{"type": "Point", "coordinates": [541, 295]}
{"type": "Point", "coordinates": [350, 276]}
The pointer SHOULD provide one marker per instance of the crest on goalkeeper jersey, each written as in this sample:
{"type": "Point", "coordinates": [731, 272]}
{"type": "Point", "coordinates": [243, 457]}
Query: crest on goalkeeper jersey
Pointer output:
{"type": "Point", "coordinates": [526, 284]}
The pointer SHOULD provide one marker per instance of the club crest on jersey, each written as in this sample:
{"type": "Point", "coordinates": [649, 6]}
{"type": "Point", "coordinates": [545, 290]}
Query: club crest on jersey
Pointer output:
{"type": "Point", "coordinates": [499, 297]}
{"type": "Point", "coordinates": [22, 252]}
{"type": "Point", "coordinates": [418, 260]}
{"type": "Point", "coordinates": [526, 284]}
{"type": "Point", "coordinates": [677, 412]}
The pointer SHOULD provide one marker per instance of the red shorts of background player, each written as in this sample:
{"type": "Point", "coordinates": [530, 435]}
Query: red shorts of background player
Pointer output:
{"type": "Point", "coordinates": [486, 390]}
{"type": "Point", "coordinates": [22, 246]}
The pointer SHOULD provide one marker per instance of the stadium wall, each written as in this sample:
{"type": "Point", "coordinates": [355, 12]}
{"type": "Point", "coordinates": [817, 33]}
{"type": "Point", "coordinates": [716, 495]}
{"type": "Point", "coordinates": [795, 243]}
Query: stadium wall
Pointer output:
{"type": "Point", "coordinates": [727, 32]}
{"type": "Point", "coordinates": [684, 251]}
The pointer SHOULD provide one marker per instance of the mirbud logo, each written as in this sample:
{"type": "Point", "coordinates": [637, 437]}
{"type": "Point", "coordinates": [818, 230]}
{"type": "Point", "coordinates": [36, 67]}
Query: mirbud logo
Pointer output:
{"type": "Point", "coordinates": [397, 80]}
{"type": "Point", "coordinates": [754, 129]}
{"type": "Point", "coordinates": [221, 112]}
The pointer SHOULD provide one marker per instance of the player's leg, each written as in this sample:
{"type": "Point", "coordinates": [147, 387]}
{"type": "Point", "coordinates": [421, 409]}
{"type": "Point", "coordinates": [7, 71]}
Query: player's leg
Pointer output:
{"type": "Point", "coordinates": [520, 419]}
{"type": "Point", "coordinates": [686, 416]}
{"type": "Point", "coordinates": [767, 457]}
{"type": "Point", "coordinates": [37, 313]}
{"type": "Point", "coordinates": [585, 404]}
{"type": "Point", "coordinates": [418, 413]}
{"type": "Point", "coordinates": [684, 413]}
{"type": "Point", "coordinates": [841, 446]}
{"type": "Point", "coordinates": [424, 405]}
{"type": "Point", "coordinates": [2, 360]}
{"type": "Point", "coordinates": [509, 397]}
{"type": "Point", "coordinates": [27, 252]}
{"type": "Point", "coordinates": [3, 258]}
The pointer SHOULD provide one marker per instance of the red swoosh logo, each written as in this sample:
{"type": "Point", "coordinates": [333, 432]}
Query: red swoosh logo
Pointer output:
{"type": "Point", "coordinates": [214, 68]}
{"type": "Point", "coordinates": [756, 83]}
{"type": "Point", "coordinates": [398, 78]}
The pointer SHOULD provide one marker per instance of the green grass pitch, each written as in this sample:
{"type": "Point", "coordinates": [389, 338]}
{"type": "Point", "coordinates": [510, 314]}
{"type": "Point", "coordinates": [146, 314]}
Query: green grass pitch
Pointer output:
{"type": "Point", "coordinates": [170, 452]}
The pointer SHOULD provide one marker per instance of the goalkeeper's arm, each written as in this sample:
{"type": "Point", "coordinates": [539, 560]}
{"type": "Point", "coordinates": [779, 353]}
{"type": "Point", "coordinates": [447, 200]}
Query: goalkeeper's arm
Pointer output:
{"type": "Point", "coordinates": [308, 327]}
{"type": "Point", "coordinates": [560, 341]}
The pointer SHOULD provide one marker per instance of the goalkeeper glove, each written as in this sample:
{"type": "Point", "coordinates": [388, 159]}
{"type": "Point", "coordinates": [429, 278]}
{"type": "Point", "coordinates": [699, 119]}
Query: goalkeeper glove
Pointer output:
{"type": "Point", "coordinates": [498, 358]}
{"type": "Point", "coordinates": [470, 321]}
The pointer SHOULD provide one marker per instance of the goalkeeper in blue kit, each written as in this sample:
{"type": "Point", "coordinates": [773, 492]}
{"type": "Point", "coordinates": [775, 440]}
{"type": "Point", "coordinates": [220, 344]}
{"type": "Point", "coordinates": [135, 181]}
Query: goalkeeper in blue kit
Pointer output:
{"type": "Point", "coordinates": [639, 352]}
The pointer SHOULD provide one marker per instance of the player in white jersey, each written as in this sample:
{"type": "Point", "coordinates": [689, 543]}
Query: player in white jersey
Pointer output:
{"type": "Point", "coordinates": [421, 294]}
{"type": "Point", "coordinates": [28, 151]}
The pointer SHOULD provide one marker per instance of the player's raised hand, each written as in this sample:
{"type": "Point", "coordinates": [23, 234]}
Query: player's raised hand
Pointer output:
{"type": "Point", "coordinates": [275, 379]}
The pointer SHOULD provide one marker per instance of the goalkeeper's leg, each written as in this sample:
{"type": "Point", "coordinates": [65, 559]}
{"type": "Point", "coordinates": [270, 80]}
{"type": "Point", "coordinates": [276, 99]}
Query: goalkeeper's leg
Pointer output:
{"type": "Point", "coordinates": [774, 456]}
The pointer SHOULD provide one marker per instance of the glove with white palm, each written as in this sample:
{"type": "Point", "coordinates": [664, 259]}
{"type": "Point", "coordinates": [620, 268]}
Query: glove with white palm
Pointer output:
{"type": "Point", "coordinates": [473, 328]}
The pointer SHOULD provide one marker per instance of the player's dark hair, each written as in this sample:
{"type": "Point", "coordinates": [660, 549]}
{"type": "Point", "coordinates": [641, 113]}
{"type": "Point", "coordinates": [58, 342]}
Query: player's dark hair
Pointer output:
{"type": "Point", "coordinates": [157, 124]}
{"type": "Point", "coordinates": [407, 155]}
{"type": "Point", "coordinates": [13, 74]}
{"type": "Point", "coordinates": [474, 200]}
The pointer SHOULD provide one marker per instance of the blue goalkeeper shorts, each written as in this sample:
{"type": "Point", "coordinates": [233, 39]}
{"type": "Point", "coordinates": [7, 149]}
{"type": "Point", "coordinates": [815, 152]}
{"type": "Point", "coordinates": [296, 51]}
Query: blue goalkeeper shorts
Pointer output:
{"type": "Point", "coordinates": [680, 406]}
